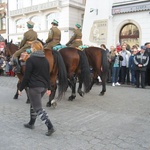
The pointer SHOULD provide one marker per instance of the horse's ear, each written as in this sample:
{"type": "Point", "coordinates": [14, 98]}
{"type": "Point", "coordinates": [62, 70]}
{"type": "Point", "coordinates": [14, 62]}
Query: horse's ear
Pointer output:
{"type": "Point", "coordinates": [11, 41]}
{"type": "Point", "coordinates": [5, 41]}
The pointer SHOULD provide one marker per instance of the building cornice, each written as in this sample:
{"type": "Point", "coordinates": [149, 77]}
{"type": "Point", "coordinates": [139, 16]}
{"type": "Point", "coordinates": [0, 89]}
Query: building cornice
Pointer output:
{"type": "Point", "coordinates": [129, 2]}
{"type": "Point", "coordinates": [121, 8]}
{"type": "Point", "coordinates": [56, 4]}
{"type": "Point", "coordinates": [34, 8]}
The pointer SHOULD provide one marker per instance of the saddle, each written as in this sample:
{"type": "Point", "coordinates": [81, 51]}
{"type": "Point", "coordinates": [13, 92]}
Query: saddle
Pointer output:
{"type": "Point", "coordinates": [25, 55]}
{"type": "Point", "coordinates": [82, 47]}
{"type": "Point", "coordinates": [58, 47]}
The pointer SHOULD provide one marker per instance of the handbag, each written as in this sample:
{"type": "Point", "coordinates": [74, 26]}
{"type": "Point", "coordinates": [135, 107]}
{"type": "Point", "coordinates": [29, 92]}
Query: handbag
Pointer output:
{"type": "Point", "coordinates": [24, 56]}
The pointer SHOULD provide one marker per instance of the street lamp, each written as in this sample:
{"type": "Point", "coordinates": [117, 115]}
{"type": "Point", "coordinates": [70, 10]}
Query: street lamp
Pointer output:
{"type": "Point", "coordinates": [94, 10]}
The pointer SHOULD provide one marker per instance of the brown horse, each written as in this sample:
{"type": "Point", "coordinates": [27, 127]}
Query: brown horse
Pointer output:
{"type": "Point", "coordinates": [77, 68]}
{"type": "Point", "coordinates": [97, 58]}
{"type": "Point", "coordinates": [57, 71]}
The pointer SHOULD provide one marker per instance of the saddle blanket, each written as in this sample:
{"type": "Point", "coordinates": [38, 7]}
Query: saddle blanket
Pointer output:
{"type": "Point", "coordinates": [82, 47]}
{"type": "Point", "coordinates": [58, 47]}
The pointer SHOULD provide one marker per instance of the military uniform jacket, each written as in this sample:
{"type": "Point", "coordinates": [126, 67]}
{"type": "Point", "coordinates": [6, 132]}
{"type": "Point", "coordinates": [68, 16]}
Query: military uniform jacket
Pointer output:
{"type": "Point", "coordinates": [30, 35]}
{"type": "Point", "coordinates": [141, 59]}
{"type": "Point", "coordinates": [74, 41]}
{"type": "Point", "coordinates": [54, 37]}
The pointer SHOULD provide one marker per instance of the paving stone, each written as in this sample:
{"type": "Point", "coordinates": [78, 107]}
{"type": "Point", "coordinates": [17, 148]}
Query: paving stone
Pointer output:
{"type": "Point", "coordinates": [119, 120]}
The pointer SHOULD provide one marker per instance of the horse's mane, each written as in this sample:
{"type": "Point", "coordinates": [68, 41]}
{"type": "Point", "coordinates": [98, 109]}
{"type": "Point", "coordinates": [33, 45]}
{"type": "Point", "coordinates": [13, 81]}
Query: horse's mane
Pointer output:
{"type": "Point", "coordinates": [43, 43]}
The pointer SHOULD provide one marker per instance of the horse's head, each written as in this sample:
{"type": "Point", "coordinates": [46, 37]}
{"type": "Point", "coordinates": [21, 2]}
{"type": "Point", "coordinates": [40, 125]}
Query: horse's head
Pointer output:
{"type": "Point", "coordinates": [9, 48]}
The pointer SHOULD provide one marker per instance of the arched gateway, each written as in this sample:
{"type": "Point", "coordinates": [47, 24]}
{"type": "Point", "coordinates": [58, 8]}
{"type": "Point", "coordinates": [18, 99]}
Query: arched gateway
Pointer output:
{"type": "Point", "coordinates": [129, 33]}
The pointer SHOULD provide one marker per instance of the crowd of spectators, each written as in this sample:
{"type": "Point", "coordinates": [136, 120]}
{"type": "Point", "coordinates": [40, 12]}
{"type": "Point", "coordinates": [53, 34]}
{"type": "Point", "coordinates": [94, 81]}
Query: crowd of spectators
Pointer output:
{"type": "Point", "coordinates": [5, 66]}
{"type": "Point", "coordinates": [129, 65]}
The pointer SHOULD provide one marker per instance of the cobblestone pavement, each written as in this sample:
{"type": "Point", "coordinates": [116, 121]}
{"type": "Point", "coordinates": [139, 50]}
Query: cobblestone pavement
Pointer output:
{"type": "Point", "coordinates": [120, 120]}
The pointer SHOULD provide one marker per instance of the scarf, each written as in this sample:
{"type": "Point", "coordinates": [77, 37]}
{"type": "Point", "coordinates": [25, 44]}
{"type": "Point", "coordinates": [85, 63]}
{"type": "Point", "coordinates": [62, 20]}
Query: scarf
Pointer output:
{"type": "Point", "coordinates": [38, 53]}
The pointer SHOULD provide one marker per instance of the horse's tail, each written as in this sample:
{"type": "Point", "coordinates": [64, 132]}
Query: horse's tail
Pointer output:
{"type": "Point", "coordinates": [105, 65]}
{"type": "Point", "coordinates": [85, 76]}
{"type": "Point", "coordinates": [62, 74]}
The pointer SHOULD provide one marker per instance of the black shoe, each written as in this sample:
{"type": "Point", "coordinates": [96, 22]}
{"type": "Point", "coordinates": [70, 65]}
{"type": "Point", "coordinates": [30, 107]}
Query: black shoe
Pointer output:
{"type": "Point", "coordinates": [136, 86]}
{"type": "Point", "coordinates": [50, 132]}
{"type": "Point", "coordinates": [29, 126]}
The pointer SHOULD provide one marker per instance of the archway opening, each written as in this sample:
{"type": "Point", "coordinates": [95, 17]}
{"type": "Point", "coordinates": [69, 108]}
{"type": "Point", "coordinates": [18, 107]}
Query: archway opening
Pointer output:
{"type": "Point", "coordinates": [129, 33]}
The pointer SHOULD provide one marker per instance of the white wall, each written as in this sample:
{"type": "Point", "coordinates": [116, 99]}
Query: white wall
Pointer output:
{"type": "Point", "coordinates": [104, 12]}
{"type": "Point", "coordinates": [115, 23]}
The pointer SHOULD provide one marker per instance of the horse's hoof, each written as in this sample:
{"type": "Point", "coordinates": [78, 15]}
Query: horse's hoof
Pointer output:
{"type": "Point", "coordinates": [15, 97]}
{"type": "Point", "coordinates": [28, 101]}
{"type": "Point", "coordinates": [101, 93]}
{"type": "Point", "coordinates": [48, 104]}
{"type": "Point", "coordinates": [71, 98]}
{"type": "Point", "coordinates": [81, 94]}
{"type": "Point", "coordinates": [54, 103]}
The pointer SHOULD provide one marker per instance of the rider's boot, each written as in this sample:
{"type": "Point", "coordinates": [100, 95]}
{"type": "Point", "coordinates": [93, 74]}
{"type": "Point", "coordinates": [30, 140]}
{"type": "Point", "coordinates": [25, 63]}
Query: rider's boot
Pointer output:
{"type": "Point", "coordinates": [18, 68]}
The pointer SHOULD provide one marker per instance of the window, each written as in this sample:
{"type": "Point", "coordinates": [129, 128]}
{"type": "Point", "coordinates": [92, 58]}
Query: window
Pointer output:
{"type": "Point", "coordinates": [50, 18]}
{"type": "Point", "coordinates": [36, 2]}
{"type": "Point", "coordinates": [82, 19]}
{"type": "Point", "coordinates": [37, 21]}
{"type": "Point", "coordinates": [20, 26]}
{"type": "Point", "coordinates": [129, 34]}
{"type": "Point", "coordinates": [19, 4]}
{"type": "Point", "coordinates": [3, 21]}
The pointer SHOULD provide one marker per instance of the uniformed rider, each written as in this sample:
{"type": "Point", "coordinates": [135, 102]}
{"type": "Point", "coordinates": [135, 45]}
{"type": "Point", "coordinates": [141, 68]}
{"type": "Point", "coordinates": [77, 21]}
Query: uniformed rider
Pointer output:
{"type": "Point", "coordinates": [29, 36]}
{"type": "Point", "coordinates": [54, 35]}
{"type": "Point", "coordinates": [76, 39]}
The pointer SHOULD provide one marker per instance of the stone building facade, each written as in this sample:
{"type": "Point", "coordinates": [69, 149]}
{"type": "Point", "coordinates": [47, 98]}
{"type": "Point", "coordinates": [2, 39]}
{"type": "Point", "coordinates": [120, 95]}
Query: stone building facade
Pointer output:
{"type": "Point", "coordinates": [66, 12]}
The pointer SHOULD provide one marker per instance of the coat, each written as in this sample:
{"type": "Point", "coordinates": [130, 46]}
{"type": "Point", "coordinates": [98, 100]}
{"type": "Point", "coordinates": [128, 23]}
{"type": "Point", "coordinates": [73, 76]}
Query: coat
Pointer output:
{"type": "Point", "coordinates": [113, 58]}
{"type": "Point", "coordinates": [75, 40]}
{"type": "Point", "coordinates": [128, 54]}
{"type": "Point", "coordinates": [54, 37]}
{"type": "Point", "coordinates": [141, 59]}
{"type": "Point", "coordinates": [29, 36]}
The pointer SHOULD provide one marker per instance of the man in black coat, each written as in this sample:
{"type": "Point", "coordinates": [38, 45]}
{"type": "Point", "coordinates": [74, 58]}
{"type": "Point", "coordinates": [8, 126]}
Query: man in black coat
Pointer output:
{"type": "Point", "coordinates": [147, 77]}
{"type": "Point", "coordinates": [141, 60]}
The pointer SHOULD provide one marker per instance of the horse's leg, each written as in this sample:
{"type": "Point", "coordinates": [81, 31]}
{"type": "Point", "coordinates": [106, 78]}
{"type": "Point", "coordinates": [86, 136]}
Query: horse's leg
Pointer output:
{"type": "Point", "coordinates": [81, 93]}
{"type": "Point", "coordinates": [73, 81]}
{"type": "Point", "coordinates": [103, 78]}
{"type": "Point", "coordinates": [28, 100]}
{"type": "Point", "coordinates": [51, 101]}
{"type": "Point", "coordinates": [16, 95]}
{"type": "Point", "coordinates": [93, 81]}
